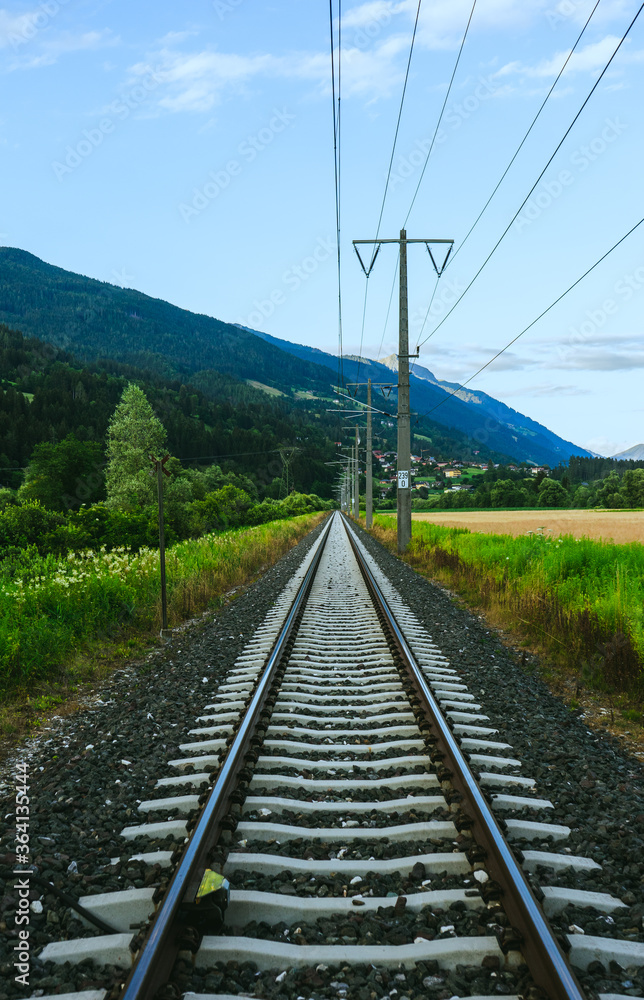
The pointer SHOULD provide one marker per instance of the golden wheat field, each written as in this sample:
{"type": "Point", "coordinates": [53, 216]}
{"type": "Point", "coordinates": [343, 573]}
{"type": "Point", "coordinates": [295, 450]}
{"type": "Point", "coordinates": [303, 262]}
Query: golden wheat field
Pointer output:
{"type": "Point", "coordinates": [615, 525]}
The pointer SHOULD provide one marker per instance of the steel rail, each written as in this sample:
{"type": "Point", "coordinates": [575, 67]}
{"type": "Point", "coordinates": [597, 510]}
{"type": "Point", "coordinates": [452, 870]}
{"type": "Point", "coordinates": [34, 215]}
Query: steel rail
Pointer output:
{"type": "Point", "coordinates": [159, 951]}
{"type": "Point", "coordinates": [547, 963]}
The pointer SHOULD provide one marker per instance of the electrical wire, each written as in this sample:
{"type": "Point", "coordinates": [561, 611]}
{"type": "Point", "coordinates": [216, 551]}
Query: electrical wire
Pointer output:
{"type": "Point", "coordinates": [374, 409]}
{"type": "Point", "coordinates": [521, 144]}
{"type": "Point", "coordinates": [391, 296]}
{"type": "Point", "coordinates": [558, 147]}
{"type": "Point", "coordinates": [429, 153]}
{"type": "Point", "coordinates": [235, 454]}
{"type": "Point", "coordinates": [534, 321]}
{"type": "Point", "coordinates": [400, 111]}
{"type": "Point", "coordinates": [431, 303]}
{"type": "Point", "coordinates": [507, 169]}
{"type": "Point", "coordinates": [391, 162]}
{"type": "Point", "coordinates": [440, 117]}
{"type": "Point", "coordinates": [336, 166]}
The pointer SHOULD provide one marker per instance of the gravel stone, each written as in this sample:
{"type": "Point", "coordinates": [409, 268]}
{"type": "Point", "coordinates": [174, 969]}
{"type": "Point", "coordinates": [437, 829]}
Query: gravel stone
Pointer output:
{"type": "Point", "coordinates": [115, 749]}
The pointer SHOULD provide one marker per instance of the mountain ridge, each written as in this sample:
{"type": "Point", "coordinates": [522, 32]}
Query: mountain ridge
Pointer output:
{"type": "Point", "coordinates": [94, 319]}
{"type": "Point", "coordinates": [482, 417]}
{"type": "Point", "coordinates": [636, 453]}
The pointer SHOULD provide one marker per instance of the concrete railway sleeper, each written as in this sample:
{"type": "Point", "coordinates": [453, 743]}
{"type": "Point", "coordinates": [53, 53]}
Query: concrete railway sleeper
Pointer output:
{"type": "Point", "coordinates": [361, 808]}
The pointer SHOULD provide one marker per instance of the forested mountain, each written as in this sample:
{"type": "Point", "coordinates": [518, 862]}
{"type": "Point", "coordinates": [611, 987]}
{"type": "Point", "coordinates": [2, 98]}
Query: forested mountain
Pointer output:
{"type": "Point", "coordinates": [475, 414]}
{"type": "Point", "coordinates": [46, 394]}
{"type": "Point", "coordinates": [96, 320]}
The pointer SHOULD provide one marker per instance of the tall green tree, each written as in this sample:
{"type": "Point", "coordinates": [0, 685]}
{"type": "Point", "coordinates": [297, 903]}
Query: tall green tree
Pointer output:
{"type": "Point", "coordinates": [632, 488]}
{"type": "Point", "coordinates": [134, 433]}
{"type": "Point", "coordinates": [65, 475]}
{"type": "Point", "coordinates": [552, 494]}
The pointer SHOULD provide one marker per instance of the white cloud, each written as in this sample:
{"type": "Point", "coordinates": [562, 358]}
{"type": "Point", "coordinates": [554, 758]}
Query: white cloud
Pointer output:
{"type": "Point", "coordinates": [603, 445]}
{"type": "Point", "coordinates": [195, 81]}
{"type": "Point", "coordinates": [375, 41]}
{"type": "Point", "coordinates": [598, 352]}
{"type": "Point", "coordinates": [590, 59]}
{"type": "Point", "coordinates": [373, 14]}
{"type": "Point", "coordinates": [441, 23]}
{"type": "Point", "coordinates": [198, 81]}
{"type": "Point", "coordinates": [607, 12]}
{"type": "Point", "coordinates": [15, 28]}
{"type": "Point", "coordinates": [543, 389]}
{"type": "Point", "coordinates": [594, 359]}
{"type": "Point", "coordinates": [587, 60]}
{"type": "Point", "coordinates": [36, 43]}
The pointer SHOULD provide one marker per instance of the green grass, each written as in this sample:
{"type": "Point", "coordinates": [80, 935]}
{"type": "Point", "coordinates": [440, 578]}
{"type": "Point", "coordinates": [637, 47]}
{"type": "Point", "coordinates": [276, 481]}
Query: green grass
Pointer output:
{"type": "Point", "coordinates": [51, 607]}
{"type": "Point", "coordinates": [582, 598]}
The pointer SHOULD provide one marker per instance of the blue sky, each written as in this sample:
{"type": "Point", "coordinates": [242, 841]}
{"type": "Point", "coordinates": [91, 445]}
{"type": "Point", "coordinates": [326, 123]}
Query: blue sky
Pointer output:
{"type": "Point", "coordinates": [186, 150]}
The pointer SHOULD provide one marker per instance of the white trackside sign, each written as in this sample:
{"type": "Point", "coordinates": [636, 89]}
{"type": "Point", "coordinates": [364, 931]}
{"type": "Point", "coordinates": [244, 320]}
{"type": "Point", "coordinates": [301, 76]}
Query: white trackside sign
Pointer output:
{"type": "Point", "coordinates": [403, 480]}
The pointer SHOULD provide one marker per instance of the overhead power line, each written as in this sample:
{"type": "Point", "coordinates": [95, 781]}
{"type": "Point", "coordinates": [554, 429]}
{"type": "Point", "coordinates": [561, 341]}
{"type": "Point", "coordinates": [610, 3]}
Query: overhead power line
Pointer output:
{"type": "Point", "coordinates": [391, 162]}
{"type": "Point", "coordinates": [391, 296]}
{"type": "Point", "coordinates": [498, 354]}
{"type": "Point", "coordinates": [336, 165]}
{"type": "Point", "coordinates": [440, 117]}
{"type": "Point", "coordinates": [523, 141]}
{"type": "Point", "coordinates": [558, 147]}
{"type": "Point", "coordinates": [507, 169]}
{"type": "Point", "coordinates": [400, 111]}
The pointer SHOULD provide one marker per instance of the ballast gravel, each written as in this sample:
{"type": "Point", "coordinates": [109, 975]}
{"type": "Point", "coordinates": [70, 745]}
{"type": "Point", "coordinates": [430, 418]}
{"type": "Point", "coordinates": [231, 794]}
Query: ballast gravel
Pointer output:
{"type": "Point", "coordinates": [426, 981]}
{"type": "Point", "coordinates": [88, 773]}
{"type": "Point", "coordinates": [597, 788]}
{"type": "Point", "coordinates": [371, 884]}
{"type": "Point", "coordinates": [112, 752]}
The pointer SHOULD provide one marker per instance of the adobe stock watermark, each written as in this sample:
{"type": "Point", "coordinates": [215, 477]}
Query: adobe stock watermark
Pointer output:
{"type": "Point", "coordinates": [34, 21]}
{"type": "Point", "coordinates": [121, 278]}
{"type": "Point", "coordinates": [223, 8]}
{"type": "Point", "coordinates": [450, 293]}
{"type": "Point", "coordinates": [368, 32]}
{"type": "Point", "coordinates": [248, 150]}
{"type": "Point", "coordinates": [92, 138]}
{"type": "Point", "coordinates": [595, 319]}
{"type": "Point", "coordinates": [22, 871]}
{"type": "Point", "coordinates": [560, 13]}
{"type": "Point", "coordinates": [455, 116]}
{"type": "Point", "coordinates": [292, 279]}
{"type": "Point", "coordinates": [581, 159]}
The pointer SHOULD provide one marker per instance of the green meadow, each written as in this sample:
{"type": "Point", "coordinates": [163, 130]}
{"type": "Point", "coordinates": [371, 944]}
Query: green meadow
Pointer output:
{"type": "Point", "coordinates": [51, 607]}
{"type": "Point", "coordinates": [582, 599]}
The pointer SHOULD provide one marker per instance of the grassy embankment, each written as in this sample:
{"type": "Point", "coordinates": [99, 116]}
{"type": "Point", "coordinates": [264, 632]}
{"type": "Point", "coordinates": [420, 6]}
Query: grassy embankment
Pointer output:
{"type": "Point", "coordinates": [581, 600]}
{"type": "Point", "coordinates": [59, 617]}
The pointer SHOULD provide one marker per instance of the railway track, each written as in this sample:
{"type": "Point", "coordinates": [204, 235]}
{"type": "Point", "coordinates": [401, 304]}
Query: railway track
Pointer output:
{"type": "Point", "coordinates": [353, 826]}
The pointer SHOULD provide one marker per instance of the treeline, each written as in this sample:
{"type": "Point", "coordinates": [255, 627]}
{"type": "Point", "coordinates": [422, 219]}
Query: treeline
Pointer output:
{"type": "Point", "coordinates": [49, 513]}
{"type": "Point", "coordinates": [46, 396]}
{"type": "Point", "coordinates": [617, 490]}
{"type": "Point", "coordinates": [536, 491]}
{"type": "Point", "coordinates": [586, 470]}
{"type": "Point", "coordinates": [27, 528]}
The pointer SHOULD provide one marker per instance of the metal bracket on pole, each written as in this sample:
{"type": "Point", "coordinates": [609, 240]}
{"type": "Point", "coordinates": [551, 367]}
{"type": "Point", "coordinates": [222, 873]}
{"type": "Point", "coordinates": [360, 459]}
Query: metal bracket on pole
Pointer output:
{"type": "Point", "coordinates": [404, 429]}
{"type": "Point", "coordinates": [366, 270]}
{"type": "Point", "coordinates": [439, 270]}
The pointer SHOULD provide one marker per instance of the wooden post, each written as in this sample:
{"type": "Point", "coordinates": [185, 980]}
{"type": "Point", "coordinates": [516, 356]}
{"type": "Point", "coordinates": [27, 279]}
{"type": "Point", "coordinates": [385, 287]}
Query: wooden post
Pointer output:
{"type": "Point", "coordinates": [356, 500]}
{"type": "Point", "coordinates": [164, 603]}
{"type": "Point", "coordinates": [158, 465]}
{"type": "Point", "coordinates": [404, 441]}
{"type": "Point", "coordinates": [369, 490]}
